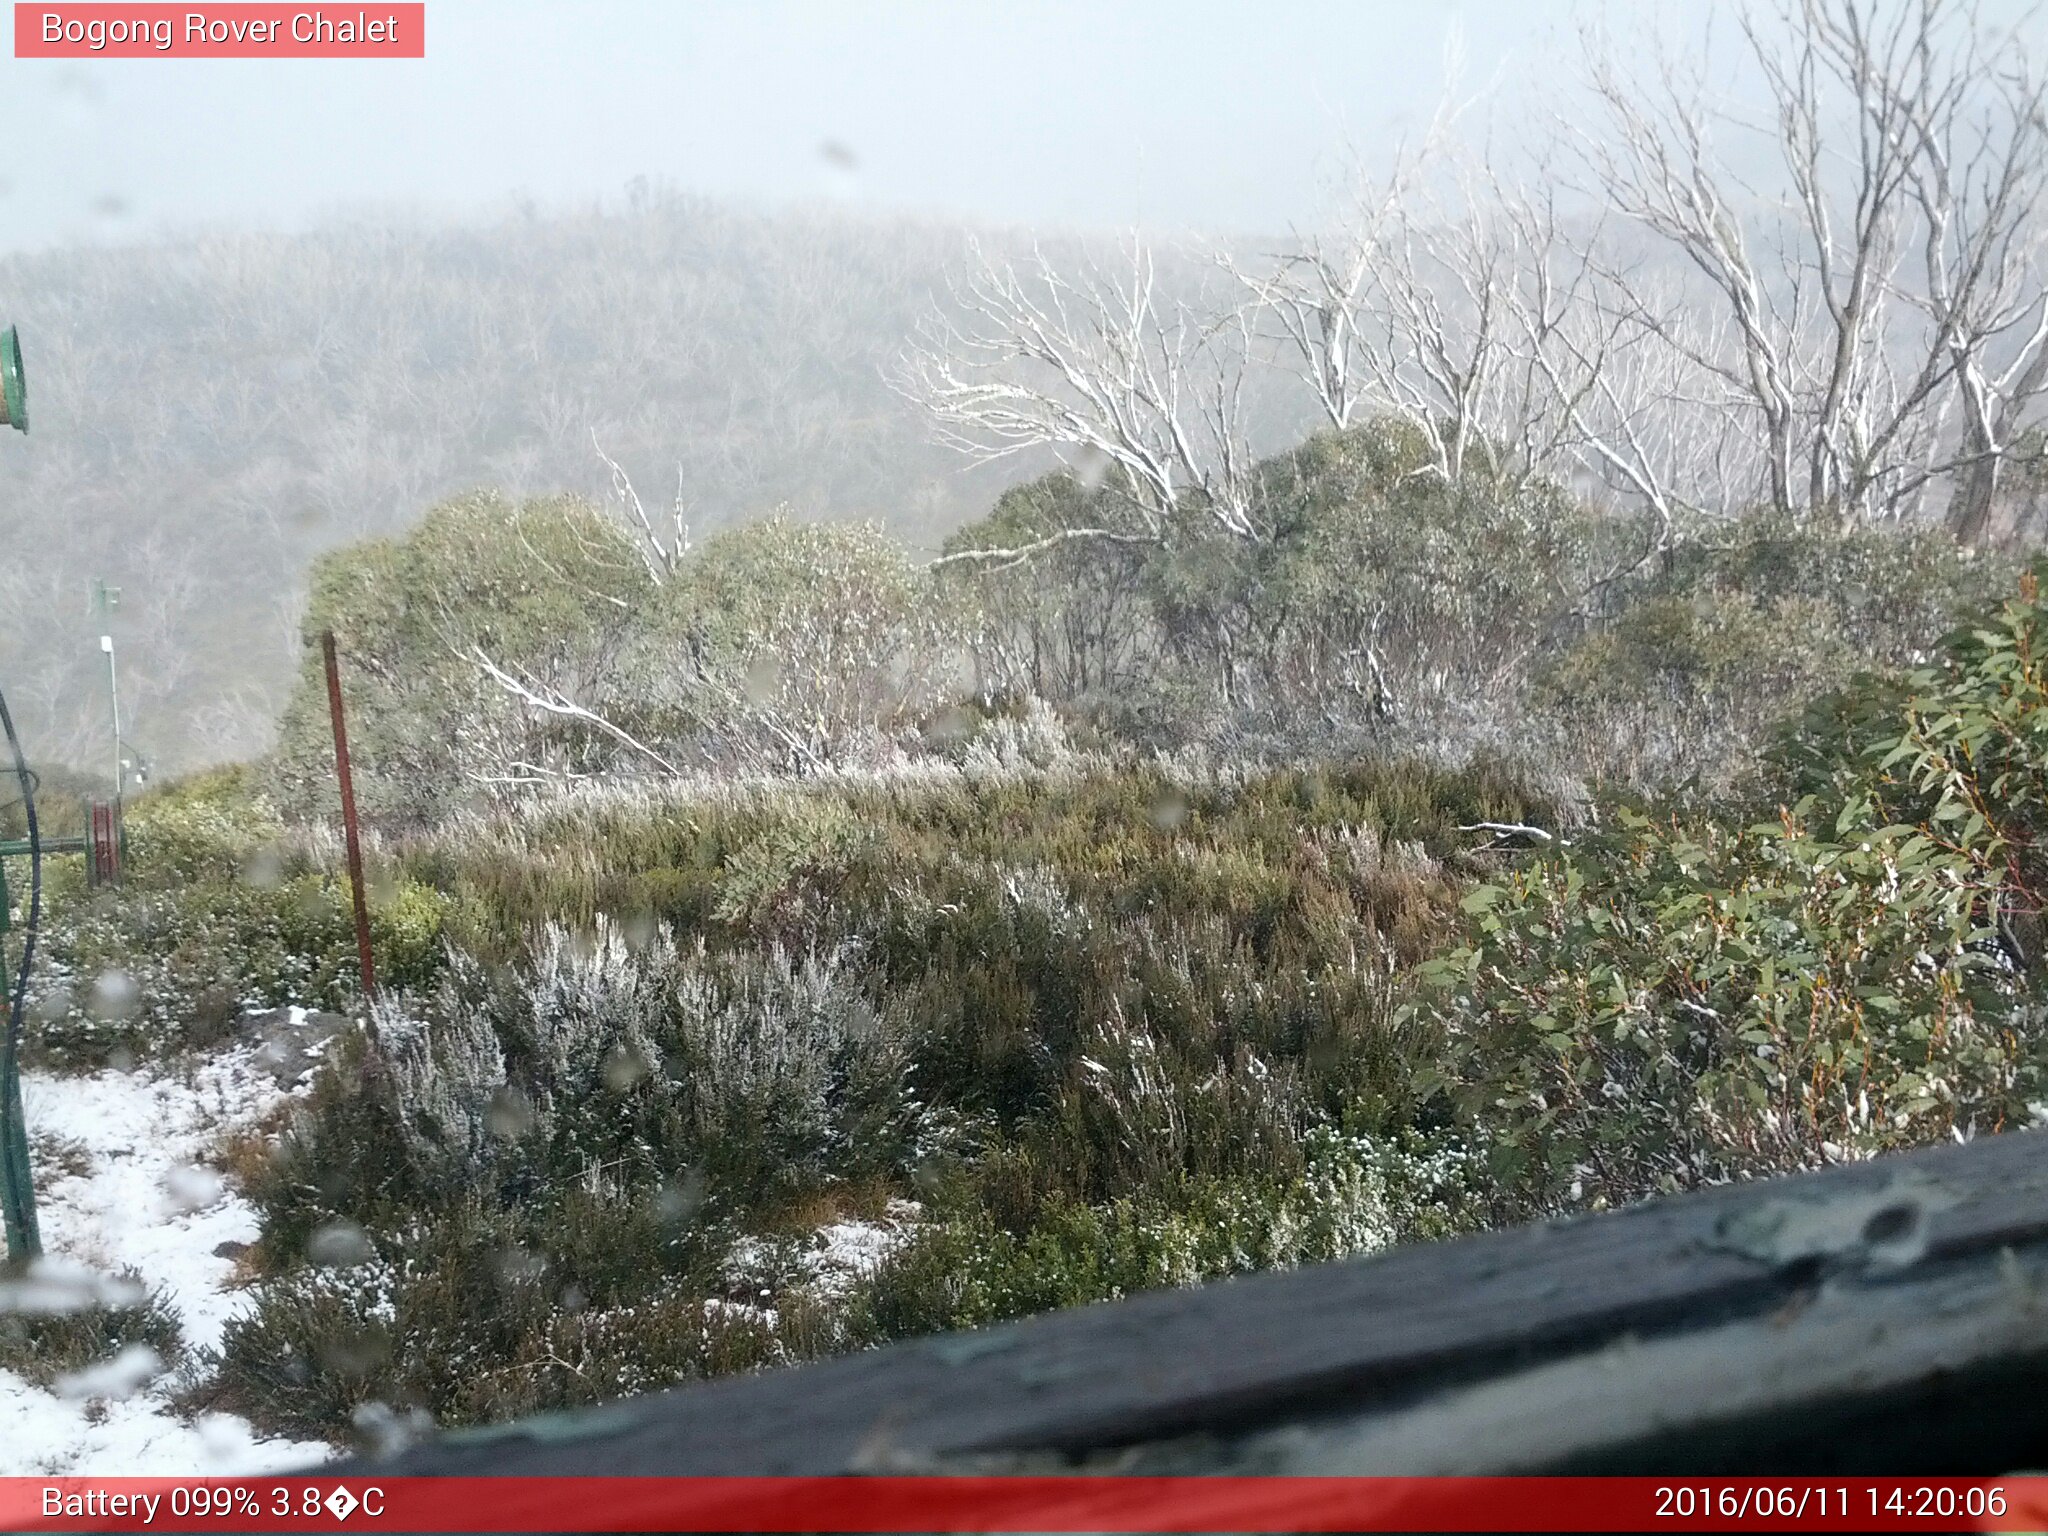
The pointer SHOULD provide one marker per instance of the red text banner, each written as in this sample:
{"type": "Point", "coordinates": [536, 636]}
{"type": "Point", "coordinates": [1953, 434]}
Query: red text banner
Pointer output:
{"type": "Point", "coordinates": [219, 31]}
{"type": "Point", "coordinates": [1139, 1504]}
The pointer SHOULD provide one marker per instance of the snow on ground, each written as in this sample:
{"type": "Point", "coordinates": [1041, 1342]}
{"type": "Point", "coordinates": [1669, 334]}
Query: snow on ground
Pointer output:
{"type": "Point", "coordinates": [129, 1188]}
{"type": "Point", "coordinates": [131, 1437]}
{"type": "Point", "coordinates": [123, 1184]}
{"type": "Point", "coordinates": [829, 1261]}
{"type": "Point", "coordinates": [849, 1250]}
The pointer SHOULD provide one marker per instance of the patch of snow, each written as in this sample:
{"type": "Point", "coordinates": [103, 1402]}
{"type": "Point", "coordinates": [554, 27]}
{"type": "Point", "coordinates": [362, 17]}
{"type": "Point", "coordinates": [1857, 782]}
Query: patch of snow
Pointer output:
{"type": "Point", "coordinates": [829, 1260]}
{"type": "Point", "coordinates": [137, 1206]}
{"type": "Point", "coordinates": [739, 1311]}
{"type": "Point", "coordinates": [132, 1437]}
{"type": "Point", "coordinates": [145, 1200]}
{"type": "Point", "coordinates": [849, 1250]}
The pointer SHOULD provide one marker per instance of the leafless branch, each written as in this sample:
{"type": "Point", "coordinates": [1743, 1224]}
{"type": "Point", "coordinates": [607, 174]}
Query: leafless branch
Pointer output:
{"type": "Point", "coordinates": [538, 695]}
{"type": "Point", "coordinates": [1004, 559]}
{"type": "Point", "coordinates": [661, 552]}
{"type": "Point", "coordinates": [1093, 366]}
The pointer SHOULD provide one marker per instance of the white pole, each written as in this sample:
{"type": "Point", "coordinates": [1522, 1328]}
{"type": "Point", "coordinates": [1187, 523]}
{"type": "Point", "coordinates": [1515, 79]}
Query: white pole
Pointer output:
{"type": "Point", "coordinates": [113, 698]}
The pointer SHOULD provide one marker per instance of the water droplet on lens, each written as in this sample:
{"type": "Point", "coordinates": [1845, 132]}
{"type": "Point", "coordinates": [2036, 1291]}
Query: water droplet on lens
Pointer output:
{"type": "Point", "coordinates": [115, 996]}
{"type": "Point", "coordinates": [48, 1007]}
{"type": "Point", "coordinates": [121, 1376]}
{"type": "Point", "coordinates": [520, 1266]}
{"type": "Point", "coordinates": [339, 1245]}
{"type": "Point", "coordinates": [192, 1188]}
{"type": "Point", "coordinates": [763, 679]}
{"type": "Point", "coordinates": [681, 1198]}
{"type": "Point", "coordinates": [264, 869]}
{"type": "Point", "coordinates": [624, 1069]}
{"type": "Point", "coordinates": [1169, 810]}
{"type": "Point", "coordinates": [639, 930]}
{"type": "Point", "coordinates": [510, 1115]}
{"type": "Point", "coordinates": [1091, 467]}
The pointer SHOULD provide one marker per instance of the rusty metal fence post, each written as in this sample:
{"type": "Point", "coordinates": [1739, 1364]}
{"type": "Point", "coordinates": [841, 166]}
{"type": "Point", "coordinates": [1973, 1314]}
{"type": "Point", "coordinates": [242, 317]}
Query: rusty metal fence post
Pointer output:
{"type": "Point", "coordinates": [348, 819]}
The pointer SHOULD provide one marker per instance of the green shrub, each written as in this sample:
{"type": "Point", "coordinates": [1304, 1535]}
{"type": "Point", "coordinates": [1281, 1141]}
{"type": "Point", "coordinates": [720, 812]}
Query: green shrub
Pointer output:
{"type": "Point", "coordinates": [469, 1318]}
{"type": "Point", "coordinates": [1353, 1196]}
{"type": "Point", "coordinates": [42, 1343]}
{"type": "Point", "coordinates": [1144, 1027]}
{"type": "Point", "coordinates": [1701, 659]}
{"type": "Point", "coordinates": [1451, 586]}
{"type": "Point", "coordinates": [1685, 1000]}
{"type": "Point", "coordinates": [787, 645]}
{"type": "Point", "coordinates": [214, 914]}
{"type": "Point", "coordinates": [1072, 622]}
{"type": "Point", "coordinates": [221, 909]}
{"type": "Point", "coordinates": [630, 1069]}
{"type": "Point", "coordinates": [546, 587]}
{"type": "Point", "coordinates": [407, 919]}
{"type": "Point", "coordinates": [216, 825]}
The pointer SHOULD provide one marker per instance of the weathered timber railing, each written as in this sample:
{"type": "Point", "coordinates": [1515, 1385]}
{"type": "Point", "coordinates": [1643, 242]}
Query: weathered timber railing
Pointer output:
{"type": "Point", "coordinates": [1880, 1318]}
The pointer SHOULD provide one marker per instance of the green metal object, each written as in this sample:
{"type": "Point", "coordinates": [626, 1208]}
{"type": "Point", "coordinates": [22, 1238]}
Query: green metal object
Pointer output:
{"type": "Point", "coordinates": [13, 383]}
{"type": "Point", "coordinates": [17, 1180]}
{"type": "Point", "coordinates": [18, 848]}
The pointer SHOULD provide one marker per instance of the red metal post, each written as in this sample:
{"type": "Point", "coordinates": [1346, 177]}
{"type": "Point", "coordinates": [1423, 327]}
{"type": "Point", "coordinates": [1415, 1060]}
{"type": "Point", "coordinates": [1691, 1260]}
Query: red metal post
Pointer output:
{"type": "Point", "coordinates": [348, 818]}
{"type": "Point", "coordinates": [101, 865]}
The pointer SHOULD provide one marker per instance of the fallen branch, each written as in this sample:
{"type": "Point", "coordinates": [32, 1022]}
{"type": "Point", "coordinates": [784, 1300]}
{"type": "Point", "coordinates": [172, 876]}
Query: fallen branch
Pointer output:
{"type": "Point", "coordinates": [522, 772]}
{"type": "Point", "coordinates": [1510, 829]}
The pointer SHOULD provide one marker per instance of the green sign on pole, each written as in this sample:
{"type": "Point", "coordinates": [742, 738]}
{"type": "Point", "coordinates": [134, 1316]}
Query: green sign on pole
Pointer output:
{"type": "Point", "coordinates": [13, 383]}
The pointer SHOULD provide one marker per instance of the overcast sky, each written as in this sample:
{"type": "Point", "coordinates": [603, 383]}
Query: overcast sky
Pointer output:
{"type": "Point", "coordinates": [1213, 114]}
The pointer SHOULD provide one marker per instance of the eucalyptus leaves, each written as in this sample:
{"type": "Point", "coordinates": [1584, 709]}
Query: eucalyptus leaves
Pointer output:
{"type": "Point", "coordinates": [1838, 964]}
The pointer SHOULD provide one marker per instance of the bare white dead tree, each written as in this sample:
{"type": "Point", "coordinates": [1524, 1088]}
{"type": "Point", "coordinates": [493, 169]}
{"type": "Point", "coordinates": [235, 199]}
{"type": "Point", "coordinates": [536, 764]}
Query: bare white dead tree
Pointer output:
{"type": "Point", "coordinates": [1607, 361]}
{"type": "Point", "coordinates": [1321, 300]}
{"type": "Point", "coordinates": [1474, 312]}
{"type": "Point", "coordinates": [1861, 335]}
{"type": "Point", "coordinates": [1008, 557]}
{"type": "Point", "coordinates": [661, 549]}
{"type": "Point", "coordinates": [1099, 369]}
{"type": "Point", "coordinates": [754, 731]}
{"type": "Point", "coordinates": [1883, 295]}
{"type": "Point", "coordinates": [1978, 177]}
{"type": "Point", "coordinates": [1327, 302]}
{"type": "Point", "coordinates": [1395, 309]}
{"type": "Point", "coordinates": [1455, 274]}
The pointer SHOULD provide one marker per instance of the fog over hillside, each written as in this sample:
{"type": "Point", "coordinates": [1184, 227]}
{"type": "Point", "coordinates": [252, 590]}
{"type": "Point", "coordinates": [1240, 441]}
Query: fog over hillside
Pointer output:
{"type": "Point", "coordinates": [212, 411]}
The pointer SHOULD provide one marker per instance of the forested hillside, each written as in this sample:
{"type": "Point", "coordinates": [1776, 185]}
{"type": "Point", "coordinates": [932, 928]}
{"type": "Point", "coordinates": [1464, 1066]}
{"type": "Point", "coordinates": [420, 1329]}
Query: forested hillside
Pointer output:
{"type": "Point", "coordinates": [211, 412]}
